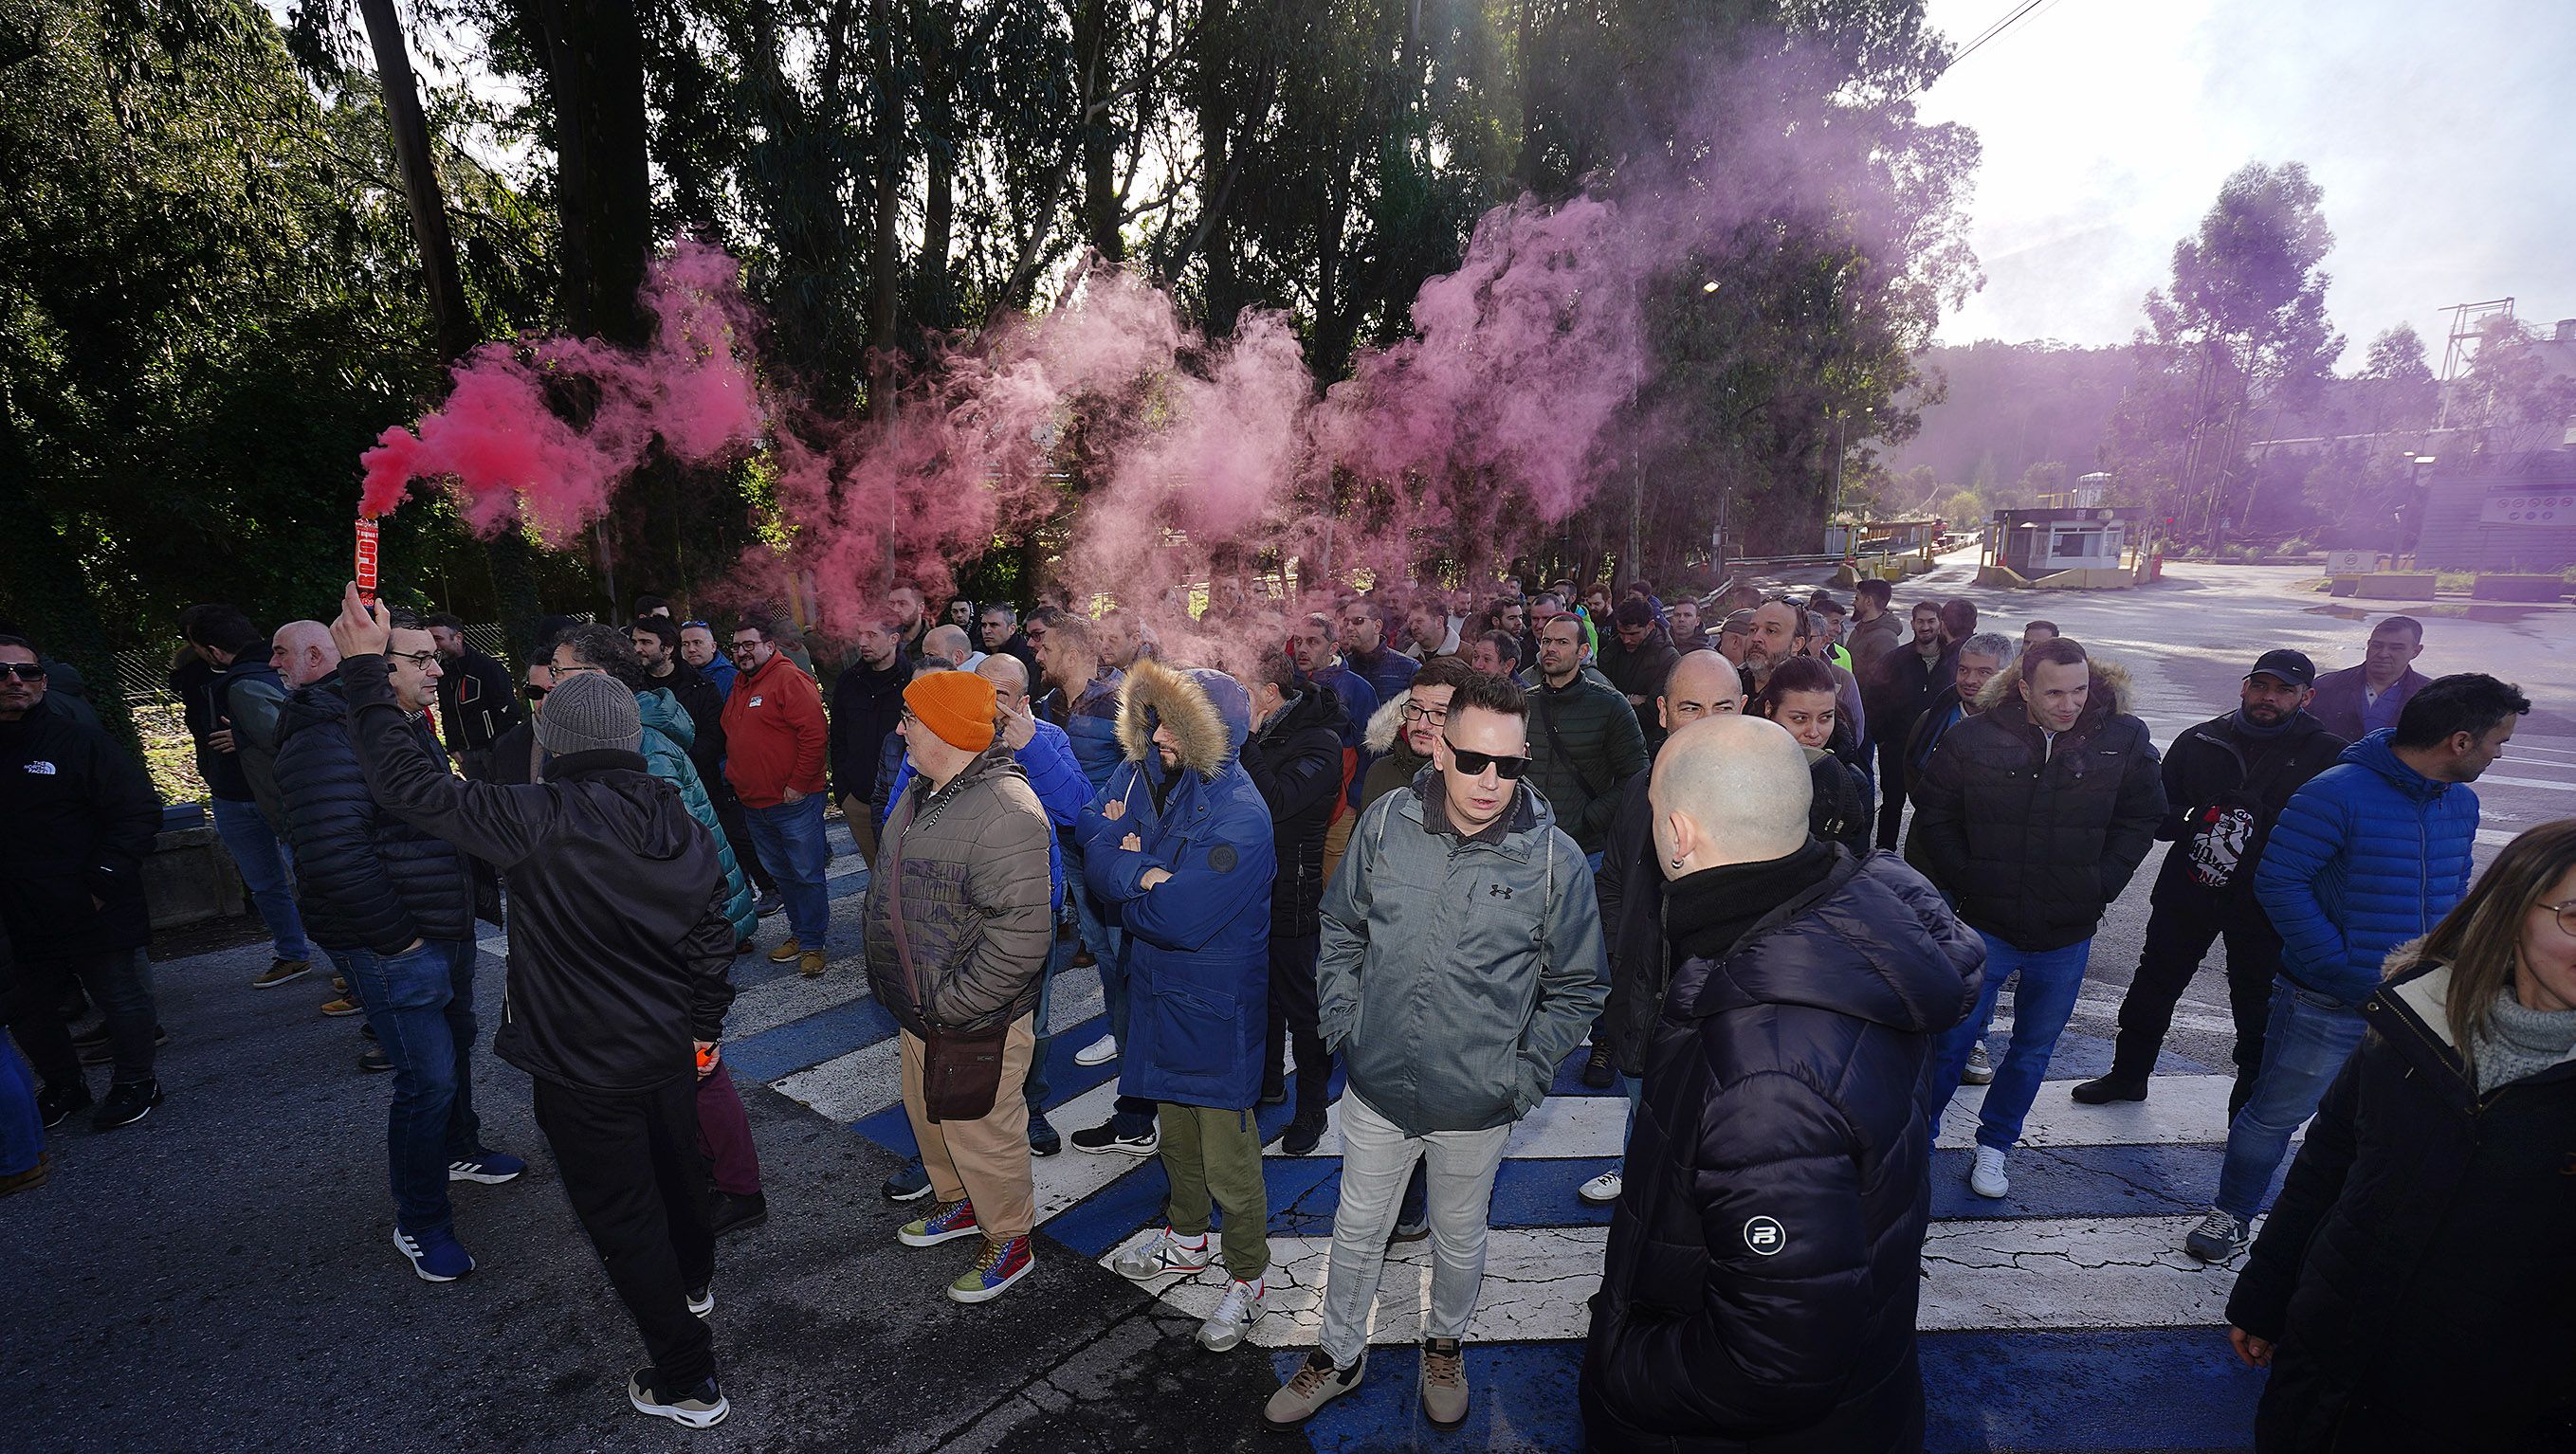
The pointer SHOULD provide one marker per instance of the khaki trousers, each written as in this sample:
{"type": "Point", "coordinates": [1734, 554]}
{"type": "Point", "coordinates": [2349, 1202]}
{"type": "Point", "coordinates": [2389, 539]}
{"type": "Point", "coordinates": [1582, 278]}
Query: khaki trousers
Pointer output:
{"type": "Point", "coordinates": [986, 1161]}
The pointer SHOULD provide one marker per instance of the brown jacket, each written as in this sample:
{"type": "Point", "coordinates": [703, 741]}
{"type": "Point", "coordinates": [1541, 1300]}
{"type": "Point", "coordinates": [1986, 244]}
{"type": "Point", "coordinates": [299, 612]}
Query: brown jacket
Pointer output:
{"type": "Point", "coordinates": [973, 879]}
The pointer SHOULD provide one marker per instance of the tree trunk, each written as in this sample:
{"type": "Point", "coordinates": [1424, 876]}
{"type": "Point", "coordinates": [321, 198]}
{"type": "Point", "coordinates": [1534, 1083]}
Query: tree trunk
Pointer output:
{"type": "Point", "coordinates": [1102, 199]}
{"type": "Point", "coordinates": [452, 324]}
{"type": "Point", "coordinates": [603, 192]}
{"type": "Point", "coordinates": [885, 266]}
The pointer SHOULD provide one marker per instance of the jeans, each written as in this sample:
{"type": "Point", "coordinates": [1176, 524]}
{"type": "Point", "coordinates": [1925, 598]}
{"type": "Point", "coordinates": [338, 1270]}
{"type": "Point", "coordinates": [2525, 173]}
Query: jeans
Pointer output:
{"type": "Point", "coordinates": [421, 1003]}
{"type": "Point", "coordinates": [2178, 938]}
{"type": "Point", "coordinates": [631, 1169]}
{"type": "Point", "coordinates": [262, 861]}
{"type": "Point", "coordinates": [1377, 1159]}
{"type": "Point", "coordinates": [119, 981]}
{"type": "Point", "coordinates": [22, 1129]}
{"type": "Point", "coordinates": [730, 815]}
{"type": "Point", "coordinates": [2305, 1044]}
{"type": "Point", "coordinates": [790, 839]}
{"type": "Point", "coordinates": [2042, 1003]}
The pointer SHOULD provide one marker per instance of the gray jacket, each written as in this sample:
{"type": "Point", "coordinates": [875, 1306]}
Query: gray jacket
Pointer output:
{"type": "Point", "coordinates": [1455, 974]}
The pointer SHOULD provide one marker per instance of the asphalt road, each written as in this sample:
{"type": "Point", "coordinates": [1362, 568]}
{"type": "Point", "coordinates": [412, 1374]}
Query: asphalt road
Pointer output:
{"type": "Point", "coordinates": [219, 1277]}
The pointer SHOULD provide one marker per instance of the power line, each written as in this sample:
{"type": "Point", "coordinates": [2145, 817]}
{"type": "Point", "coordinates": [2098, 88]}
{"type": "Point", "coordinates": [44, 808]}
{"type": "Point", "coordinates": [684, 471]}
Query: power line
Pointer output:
{"type": "Point", "coordinates": [2026, 9]}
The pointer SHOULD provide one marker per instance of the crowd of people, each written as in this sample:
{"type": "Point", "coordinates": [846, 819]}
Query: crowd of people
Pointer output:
{"type": "Point", "coordinates": [1424, 850]}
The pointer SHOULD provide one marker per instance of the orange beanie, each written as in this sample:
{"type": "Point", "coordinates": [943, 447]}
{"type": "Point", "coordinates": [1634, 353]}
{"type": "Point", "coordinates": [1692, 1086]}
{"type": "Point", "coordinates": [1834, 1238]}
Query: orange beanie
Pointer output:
{"type": "Point", "coordinates": [958, 705]}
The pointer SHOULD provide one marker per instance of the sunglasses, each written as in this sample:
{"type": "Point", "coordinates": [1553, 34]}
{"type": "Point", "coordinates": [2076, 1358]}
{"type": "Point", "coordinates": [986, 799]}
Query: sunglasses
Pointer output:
{"type": "Point", "coordinates": [1473, 764]}
{"type": "Point", "coordinates": [700, 625]}
{"type": "Point", "coordinates": [25, 671]}
{"type": "Point", "coordinates": [533, 692]}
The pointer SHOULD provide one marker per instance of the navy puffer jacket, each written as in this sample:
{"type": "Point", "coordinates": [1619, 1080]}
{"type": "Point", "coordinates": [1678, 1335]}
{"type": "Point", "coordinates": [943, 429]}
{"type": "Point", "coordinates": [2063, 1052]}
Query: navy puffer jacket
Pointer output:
{"type": "Point", "coordinates": [1760, 1284]}
{"type": "Point", "coordinates": [364, 879]}
{"type": "Point", "coordinates": [1198, 943]}
{"type": "Point", "coordinates": [2369, 854]}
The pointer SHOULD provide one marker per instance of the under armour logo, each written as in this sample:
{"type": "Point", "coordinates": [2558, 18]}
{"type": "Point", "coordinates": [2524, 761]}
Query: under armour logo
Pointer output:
{"type": "Point", "coordinates": [1500, 892]}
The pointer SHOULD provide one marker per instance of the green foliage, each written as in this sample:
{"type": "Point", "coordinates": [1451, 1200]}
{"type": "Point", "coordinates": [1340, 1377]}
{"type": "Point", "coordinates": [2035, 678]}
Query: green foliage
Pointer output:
{"type": "Point", "coordinates": [209, 304]}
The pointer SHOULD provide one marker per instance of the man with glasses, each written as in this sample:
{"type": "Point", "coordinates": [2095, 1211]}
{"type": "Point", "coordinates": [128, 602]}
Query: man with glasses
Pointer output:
{"type": "Point", "coordinates": [1461, 961]}
{"type": "Point", "coordinates": [776, 744]}
{"type": "Point", "coordinates": [393, 905]}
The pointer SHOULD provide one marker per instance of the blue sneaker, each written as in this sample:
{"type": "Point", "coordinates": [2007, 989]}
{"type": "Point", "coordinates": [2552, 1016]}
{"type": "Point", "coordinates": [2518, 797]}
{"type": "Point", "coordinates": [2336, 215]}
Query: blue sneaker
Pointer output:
{"type": "Point", "coordinates": [488, 1167]}
{"type": "Point", "coordinates": [908, 1185]}
{"type": "Point", "coordinates": [435, 1256]}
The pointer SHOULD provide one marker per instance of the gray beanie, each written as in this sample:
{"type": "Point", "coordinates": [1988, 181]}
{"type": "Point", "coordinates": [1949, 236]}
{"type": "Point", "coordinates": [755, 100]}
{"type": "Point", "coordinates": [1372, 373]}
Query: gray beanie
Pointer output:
{"type": "Point", "coordinates": [590, 712]}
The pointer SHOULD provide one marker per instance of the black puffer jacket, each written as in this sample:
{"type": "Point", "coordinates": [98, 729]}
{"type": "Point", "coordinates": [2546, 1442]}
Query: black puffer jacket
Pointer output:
{"type": "Point", "coordinates": [2033, 837]}
{"type": "Point", "coordinates": [80, 818]}
{"type": "Point", "coordinates": [364, 879]}
{"type": "Point", "coordinates": [1296, 761]}
{"type": "Point", "coordinates": [1760, 1284]}
{"type": "Point", "coordinates": [1631, 890]}
{"type": "Point", "coordinates": [620, 951]}
{"type": "Point", "coordinates": [705, 705]}
{"type": "Point", "coordinates": [2416, 1274]}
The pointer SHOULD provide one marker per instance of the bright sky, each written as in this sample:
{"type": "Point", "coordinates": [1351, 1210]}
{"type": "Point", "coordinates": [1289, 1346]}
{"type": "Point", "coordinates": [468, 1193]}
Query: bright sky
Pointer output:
{"type": "Point", "coordinates": [2440, 134]}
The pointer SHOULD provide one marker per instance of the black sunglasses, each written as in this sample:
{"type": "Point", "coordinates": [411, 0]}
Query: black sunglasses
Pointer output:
{"type": "Point", "coordinates": [1473, 764]}
{"type": "Point", "coordinates": [25, 671]}
{"type": "Point", "coordinates": [533, 692]}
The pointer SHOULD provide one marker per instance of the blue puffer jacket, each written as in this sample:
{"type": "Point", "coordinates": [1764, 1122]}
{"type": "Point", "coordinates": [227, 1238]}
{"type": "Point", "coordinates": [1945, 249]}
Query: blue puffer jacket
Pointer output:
{"type": "Point", "coordinates": [1198, 945]}
{"type": "Point", "coordinates": [668, 733]}
{"type": "Point", "coordinates": [2371, 853]}
{"type": "Point", "coordinates": [1091, 722]}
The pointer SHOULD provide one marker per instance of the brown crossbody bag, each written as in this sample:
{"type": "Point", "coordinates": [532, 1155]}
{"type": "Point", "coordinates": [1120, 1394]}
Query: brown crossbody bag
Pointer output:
{"type": "Point", "coordinates": [961, 1070]}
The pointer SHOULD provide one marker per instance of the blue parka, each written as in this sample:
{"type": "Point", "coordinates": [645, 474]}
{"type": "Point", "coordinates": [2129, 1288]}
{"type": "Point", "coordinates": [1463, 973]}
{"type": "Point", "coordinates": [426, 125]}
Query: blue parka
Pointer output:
{"type": "Point", "coordinates": [668, 733]}
{"type": "Point", "coordinates": [1198, 945]}
{"type": "Point", "coordinates": [2369, 854]}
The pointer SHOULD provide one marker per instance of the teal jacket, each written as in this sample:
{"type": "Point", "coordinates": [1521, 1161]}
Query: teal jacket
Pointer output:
{"type": "Point", "coordinates": [667, 735]}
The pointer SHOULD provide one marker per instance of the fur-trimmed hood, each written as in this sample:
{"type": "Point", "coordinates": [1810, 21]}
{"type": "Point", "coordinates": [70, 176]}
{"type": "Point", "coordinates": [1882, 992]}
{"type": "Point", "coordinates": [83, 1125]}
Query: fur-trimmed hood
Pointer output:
{"type": "Point", "coordinates": [1209, 712]}
{"type": "Point", "coordinates": [2005, 685]}
{"type": "Point", "coordinates": [1386, 724]}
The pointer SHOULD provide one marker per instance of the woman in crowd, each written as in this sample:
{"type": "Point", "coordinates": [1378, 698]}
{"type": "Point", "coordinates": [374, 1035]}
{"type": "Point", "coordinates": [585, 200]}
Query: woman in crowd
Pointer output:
{"type": "Point", "coordinates": [1800, 697]}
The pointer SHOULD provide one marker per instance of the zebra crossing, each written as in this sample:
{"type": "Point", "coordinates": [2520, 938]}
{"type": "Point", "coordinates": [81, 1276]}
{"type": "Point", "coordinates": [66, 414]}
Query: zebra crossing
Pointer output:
{"type": "Point", "coordinates": [2064, 1316]}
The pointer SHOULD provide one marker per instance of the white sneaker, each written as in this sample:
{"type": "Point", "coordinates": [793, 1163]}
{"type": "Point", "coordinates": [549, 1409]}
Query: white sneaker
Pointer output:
{"type": "Point", "coordinates": [1600, 1189]}
{"type": "Point", "coordinates": [1098, 1052]}
{"type": "Point", "coordinates": [1168, 1252]}
{"type": "Point", "coordinates": [1232, 1321]}
{"type": "Point", "coordinates": [1987, 1177]}
{"type": "Point", "coordinates": [1980, 1070]}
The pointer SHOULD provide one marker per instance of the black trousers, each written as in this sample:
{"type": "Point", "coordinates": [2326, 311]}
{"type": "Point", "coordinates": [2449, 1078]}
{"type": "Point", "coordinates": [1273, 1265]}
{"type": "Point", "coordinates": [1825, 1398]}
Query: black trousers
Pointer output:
{"type": "Point", "coordinates": [2178, 938]}
{"type": "Point", "coordinates": [119, 982]}
{"type": "Point", "coordinates": [636, 1179]}
{"type": "Point", "coordinates": [1891, 790]}
{"type": "Point", "coordinates": [737, 832]}
{"type": "Point", "coordinates": [1293, 1012]}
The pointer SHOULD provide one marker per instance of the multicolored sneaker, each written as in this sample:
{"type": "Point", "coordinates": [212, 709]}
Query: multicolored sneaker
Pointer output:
{"type": "Point", "coordinates": [1002, 1264]}
{"type": "Point", "coordinates": [1169, 1251]}
{"type": "Point", "coordinates": [947, 1222]}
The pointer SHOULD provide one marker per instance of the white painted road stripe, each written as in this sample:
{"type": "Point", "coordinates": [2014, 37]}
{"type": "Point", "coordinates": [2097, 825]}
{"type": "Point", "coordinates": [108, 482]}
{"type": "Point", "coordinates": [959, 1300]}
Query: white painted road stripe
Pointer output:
{"type": "Point", "coordinates": [2179, 1110]}
{"type": "Point", "coordinates": [2009, 1273]}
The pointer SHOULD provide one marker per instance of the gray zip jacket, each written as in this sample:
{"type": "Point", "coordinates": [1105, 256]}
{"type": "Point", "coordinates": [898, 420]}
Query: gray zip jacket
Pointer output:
{"type": "Point", "coordinates": [1456, 973]}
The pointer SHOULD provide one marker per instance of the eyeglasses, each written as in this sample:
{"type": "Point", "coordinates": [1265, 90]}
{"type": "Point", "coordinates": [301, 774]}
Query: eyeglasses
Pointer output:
{"type": "Point", "coordinates": [25, 671]}
{"type": "Point", "coordinates": [575, 670]}
{"type": "Point", "coordinates": [741, 648]}
{"type": "Point", "coordinates": [2566, 913]}
{"type": "Point", "coordinates": [419, 660]}
{"type": "Point", "coordinates": [1473, 764]}
{"type": "Point", "coordinates": [1416, 712]}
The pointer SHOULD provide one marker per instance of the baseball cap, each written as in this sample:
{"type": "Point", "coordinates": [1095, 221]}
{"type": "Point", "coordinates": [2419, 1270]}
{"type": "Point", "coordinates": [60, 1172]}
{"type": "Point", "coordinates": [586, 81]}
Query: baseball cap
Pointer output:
{"type": "Point", "coordinates": [2292, 667]}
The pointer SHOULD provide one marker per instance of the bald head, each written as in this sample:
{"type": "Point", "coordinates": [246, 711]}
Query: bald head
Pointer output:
{"type": "Point", "coordinates": [948, 643]}
{"type": "Point", "coordinates": [1727, 790]}
{"type": "Point", "coordinates": [302, 653]}
{"type": "Point", "coordinates": [1010, 679]}
{"type": "Point", "coordinates": [1701, 684]}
